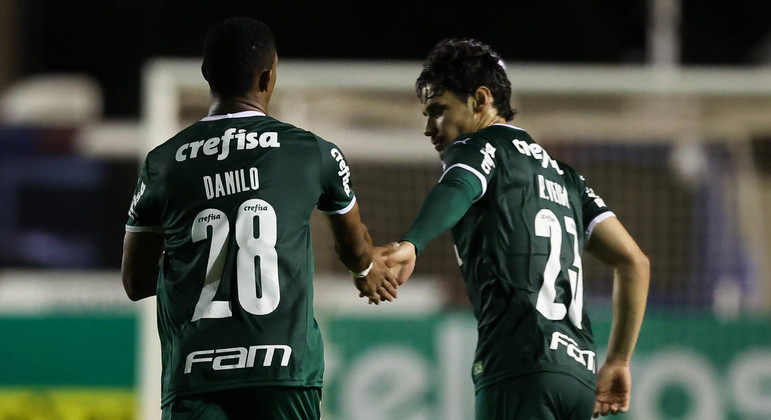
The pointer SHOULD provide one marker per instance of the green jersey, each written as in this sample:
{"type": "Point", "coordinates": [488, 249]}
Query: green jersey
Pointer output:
{"type": "Point", "coordinates": [519, 248]}
{"type": "Point", "coordinates": [233, 196]}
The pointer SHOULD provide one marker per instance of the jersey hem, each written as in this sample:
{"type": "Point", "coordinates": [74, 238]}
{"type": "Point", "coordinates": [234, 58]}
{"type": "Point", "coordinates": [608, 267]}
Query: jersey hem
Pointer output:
{"type": "Point", "coordinates": [491, 381]}
{"type": "Point", "coordinates": [168, 399]}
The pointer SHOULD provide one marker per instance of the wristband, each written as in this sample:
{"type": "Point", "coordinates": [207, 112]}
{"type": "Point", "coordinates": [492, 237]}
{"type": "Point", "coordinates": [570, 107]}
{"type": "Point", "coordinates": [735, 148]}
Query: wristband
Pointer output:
{"type": "Point", "coordinates": [363, 273]}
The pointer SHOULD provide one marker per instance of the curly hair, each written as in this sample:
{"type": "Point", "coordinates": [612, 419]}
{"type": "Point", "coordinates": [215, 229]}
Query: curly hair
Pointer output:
{"type": "Point", "coordinates": [461, 66]}
{"type": "Point", "coordinates": [235, 50]}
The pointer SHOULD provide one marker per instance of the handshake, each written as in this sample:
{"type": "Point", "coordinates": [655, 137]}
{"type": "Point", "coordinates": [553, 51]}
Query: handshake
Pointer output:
{"type": "Point", "coordinates": [392, 265]}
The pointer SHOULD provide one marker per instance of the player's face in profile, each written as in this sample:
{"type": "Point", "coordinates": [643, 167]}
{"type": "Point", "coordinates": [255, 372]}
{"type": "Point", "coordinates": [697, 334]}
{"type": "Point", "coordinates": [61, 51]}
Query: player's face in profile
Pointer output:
{"type": "Point", "coordinates": [448, 117]}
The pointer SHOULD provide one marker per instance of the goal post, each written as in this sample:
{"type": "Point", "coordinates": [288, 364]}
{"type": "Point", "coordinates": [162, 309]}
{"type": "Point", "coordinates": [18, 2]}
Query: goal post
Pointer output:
{"type": "Point", "coordinates": [676, 149]}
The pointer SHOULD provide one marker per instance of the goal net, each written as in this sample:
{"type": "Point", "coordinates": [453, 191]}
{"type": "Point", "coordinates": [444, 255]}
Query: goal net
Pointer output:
{"type": "Point", "coordinates": [682, 156]}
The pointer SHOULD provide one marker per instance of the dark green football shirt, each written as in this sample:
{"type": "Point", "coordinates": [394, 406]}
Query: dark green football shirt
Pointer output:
{"type": "Point", "coordinates": [233, 196]}
{"type": "Point", "coordinates": [519, 247]}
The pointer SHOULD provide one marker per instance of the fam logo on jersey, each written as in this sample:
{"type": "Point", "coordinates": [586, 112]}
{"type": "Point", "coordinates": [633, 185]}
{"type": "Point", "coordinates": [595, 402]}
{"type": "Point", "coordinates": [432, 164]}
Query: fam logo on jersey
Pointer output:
{"type": "Point", "coordinates": [488, 154]}
{"type": "Point", "coordinates": [141, 190]}
{"type": "Point", "coordinates": [236, 357]}
{"type": "Point", "coordinates": [345, 171]}
{"type": "Point", "coordinates": [221, 145]}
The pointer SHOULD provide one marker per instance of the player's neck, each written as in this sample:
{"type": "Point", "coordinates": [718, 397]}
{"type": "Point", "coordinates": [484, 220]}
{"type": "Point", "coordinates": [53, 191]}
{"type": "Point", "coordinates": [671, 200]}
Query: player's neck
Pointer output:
{"type": "Point", "coordinates": [486, 118]}
{"type": "Point", "coordinates": [488, 121]}
{"type": "Point", "coordinates": [232, 105]}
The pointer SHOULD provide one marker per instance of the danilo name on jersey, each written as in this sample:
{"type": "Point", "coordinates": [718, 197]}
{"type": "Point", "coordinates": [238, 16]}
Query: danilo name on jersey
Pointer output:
{"type": "Point", "coordinates": [230, 182]}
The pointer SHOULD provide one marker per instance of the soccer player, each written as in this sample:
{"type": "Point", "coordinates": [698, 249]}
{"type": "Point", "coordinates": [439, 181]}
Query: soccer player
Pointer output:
{"type": "Point", "coordinates": [225, 206]}
{"type": "Point", "coordinates": [520, 221]}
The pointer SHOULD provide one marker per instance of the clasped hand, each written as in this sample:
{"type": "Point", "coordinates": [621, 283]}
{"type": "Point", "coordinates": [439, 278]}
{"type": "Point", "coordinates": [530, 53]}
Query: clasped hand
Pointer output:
{"type": "Point", "coordinates": [392, 266]}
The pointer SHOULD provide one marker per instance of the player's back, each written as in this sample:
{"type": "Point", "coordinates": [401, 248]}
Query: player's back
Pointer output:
{"type": "Point", "coordinates": [233, 197]}
{"type": "Point", "coordinates": [520, 250]}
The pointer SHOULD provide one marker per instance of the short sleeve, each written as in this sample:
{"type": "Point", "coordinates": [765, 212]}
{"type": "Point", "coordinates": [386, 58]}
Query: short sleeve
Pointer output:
{"type": "Point", "coordinates": [337, 196]}
{"type": "Point", "coordinates": [594, 208]}
{"type": "Point", "coordinates": [144, 212]}
{"type": "Point", "coordinates": [475, 155]}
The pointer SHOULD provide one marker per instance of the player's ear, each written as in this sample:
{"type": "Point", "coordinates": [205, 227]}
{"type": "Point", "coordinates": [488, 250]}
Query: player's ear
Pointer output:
{"type": "Point", "coordinates": [264, 79]}
{"type": "Point", "coordinates": [267, 77]}
{"type": "Point", "coordinates": [482, 98]}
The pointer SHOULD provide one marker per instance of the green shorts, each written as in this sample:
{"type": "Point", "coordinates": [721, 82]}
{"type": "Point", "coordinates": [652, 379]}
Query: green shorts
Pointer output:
{"type": "Point", "coordinates": [253, 403]}
{"type": "Point", "coordinates": [542, 396]}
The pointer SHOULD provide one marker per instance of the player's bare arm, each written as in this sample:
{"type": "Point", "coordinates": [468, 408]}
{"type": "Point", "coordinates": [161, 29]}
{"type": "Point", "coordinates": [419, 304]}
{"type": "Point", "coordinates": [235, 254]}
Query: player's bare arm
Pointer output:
{"type": "Point", "coordinates": [612, 244]}
{"type": "Point", "coordinates": [354, 248]}
{"type": "Point", "coordinates": [139, 267]}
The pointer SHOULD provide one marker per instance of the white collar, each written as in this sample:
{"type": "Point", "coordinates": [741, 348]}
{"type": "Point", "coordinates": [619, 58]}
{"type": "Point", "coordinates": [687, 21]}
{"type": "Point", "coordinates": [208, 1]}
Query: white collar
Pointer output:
{"type": "Point", "coordinates": [510, 126]}
{"type": "Point", "coordinates": [241, 114]}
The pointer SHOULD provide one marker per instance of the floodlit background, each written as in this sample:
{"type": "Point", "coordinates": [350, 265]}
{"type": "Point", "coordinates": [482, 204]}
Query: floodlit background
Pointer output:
{"type": "Point", "coordinates": [665, 107]}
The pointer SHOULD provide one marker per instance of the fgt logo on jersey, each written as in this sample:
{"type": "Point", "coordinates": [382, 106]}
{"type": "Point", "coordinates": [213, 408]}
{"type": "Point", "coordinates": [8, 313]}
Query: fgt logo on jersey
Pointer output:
{"type": "Point", "coordinates": [221, 145]}
{"type": "Point", "coordinates": [237, 357]}
{"type": "Point", "coordinates": [585, 357]}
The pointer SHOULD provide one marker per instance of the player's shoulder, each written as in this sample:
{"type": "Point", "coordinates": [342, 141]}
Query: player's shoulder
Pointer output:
{"type": "Point", "coordinates": [569, 173]}
{"type": "Point", "coordinates": [571, 177]}
{"type": "Point", "coordinates": [321, 147]}
{"type": "Point", "coordinates": [469, 141]}
{"type": "Point", "coordinates": [298, 134]}
{"type": "Point", "coordinates": [496, 134]}
{"type": "Point", "coordinates": [505, 133]}
{"type": "Point", "coordinates": [295, 132]}
{"type": "Point", "coordinates": [164, 154]}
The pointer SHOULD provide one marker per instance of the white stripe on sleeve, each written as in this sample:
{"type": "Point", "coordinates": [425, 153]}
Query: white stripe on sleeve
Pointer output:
{"type": "Point", "coordinates": [481, 177]}
{"type": "Point", "coordinates": [594, 223]}
{"type": "Point", "coordinates": [140, 229]}
{"type": "Point", "coordinates": [347, 208]}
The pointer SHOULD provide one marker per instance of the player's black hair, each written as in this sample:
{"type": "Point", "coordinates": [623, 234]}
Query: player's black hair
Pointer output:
{"type": "Point", "coordinates": [461, 66]}
{"type": "Point", "coordinates": [235, 51]}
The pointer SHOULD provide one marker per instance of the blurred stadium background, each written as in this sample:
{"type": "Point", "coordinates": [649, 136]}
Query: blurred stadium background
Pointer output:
{"type": "Point", "coordinates": [664, 106]}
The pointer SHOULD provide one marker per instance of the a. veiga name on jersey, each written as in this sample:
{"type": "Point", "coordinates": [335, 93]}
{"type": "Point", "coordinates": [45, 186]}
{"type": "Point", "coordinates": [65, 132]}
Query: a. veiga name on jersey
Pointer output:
{"type": "Point", "coordinates": [536, 152]}
{"type": "Point", "coordinates": [345, 171]}
{"type": "Point", "coordinates": [552, 191]}
{"type": "Point", "coordinates": [230, 182]}
{"type": "Point", "coordinates": [221, 145]}
{"type": "Point", "coordinates": [584, 357]}
{"type": "Point", "coordinates": [236, 357]}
